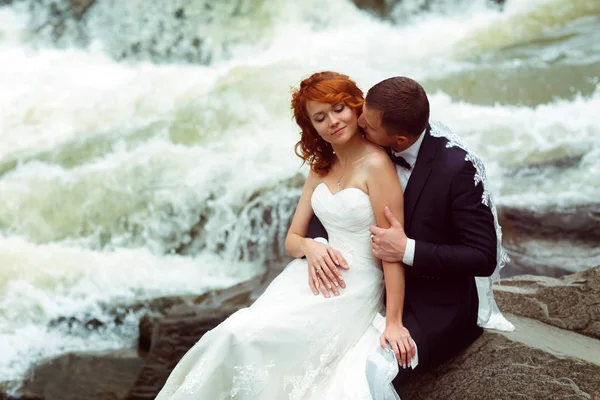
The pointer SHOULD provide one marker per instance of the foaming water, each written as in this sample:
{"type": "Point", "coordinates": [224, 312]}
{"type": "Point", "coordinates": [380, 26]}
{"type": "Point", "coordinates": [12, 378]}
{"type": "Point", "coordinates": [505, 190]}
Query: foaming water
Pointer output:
{"type": "Point", "coordinates": [42, 283]}
{"type": "Point", "coordinates": [72, 280]}
{"type": "Point", "coordinates": [123, 181]}
{"type": "Point", "coordinates": [523, 21]}
{"type": "Point", "coordinates": [53, 96]}
{"type": "Point", "coordinates": [513, 137]}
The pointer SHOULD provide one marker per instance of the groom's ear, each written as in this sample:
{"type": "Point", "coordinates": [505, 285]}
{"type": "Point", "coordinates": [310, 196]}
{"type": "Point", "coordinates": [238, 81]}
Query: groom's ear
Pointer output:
{"type": "Point", "coordinates": [402, 141]}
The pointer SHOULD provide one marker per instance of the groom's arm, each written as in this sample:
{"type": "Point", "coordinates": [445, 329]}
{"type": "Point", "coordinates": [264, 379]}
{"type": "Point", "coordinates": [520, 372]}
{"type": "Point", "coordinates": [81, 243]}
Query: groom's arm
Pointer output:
{"type": "Point", "coordinates": [475, 247]}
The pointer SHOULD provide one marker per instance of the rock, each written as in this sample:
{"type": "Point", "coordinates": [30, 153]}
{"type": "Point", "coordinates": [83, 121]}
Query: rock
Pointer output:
{"type": "Point", "coordinates": [549, 257]}
{"type": "Point", "coordinates": [399, 9]}
{"type": "Point", "coordinates": [572, 302]}
{"type": "Point", "coordinates": [551, 241]}
{"type": "Point", "coordinates": [228, 299]}
{"type": "Point", "coordinates": [79, 7]}
{"type": "Point", "coordinates": [504, 366]}
{"type": "Point", "coordinates": [381, 8]}
{"type": "Point", "coordinates": [578, 222]}
{"type": "Point", "coordinates": [172, 338]}
{"type": "Point", "coordinates": [145, 328]}
{"type": "Point", "coordinates": [550, 339]}
{"type": "Point", "coordinates": [82, 376]}
{"type": "Point", "coordinates": [4, 396]}
{"type": "Point", "coordinates": [157, 308]}
{"type": "Point", "coordinates": [115, 314]}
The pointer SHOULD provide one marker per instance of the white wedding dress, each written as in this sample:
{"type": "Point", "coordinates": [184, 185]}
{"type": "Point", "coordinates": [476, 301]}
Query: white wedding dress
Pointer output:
{"type": "Point", "coordinates": [291, 344]}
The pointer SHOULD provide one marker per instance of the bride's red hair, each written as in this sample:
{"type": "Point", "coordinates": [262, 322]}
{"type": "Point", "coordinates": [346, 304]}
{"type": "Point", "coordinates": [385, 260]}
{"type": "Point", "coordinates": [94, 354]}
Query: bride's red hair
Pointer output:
{"type": "Point", "coordinates": [324, 87]}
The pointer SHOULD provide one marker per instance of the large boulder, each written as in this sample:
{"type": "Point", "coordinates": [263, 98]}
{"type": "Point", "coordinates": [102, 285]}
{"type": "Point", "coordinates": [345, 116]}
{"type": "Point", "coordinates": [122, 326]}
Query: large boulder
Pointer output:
{"type": "Point", "coordinates": [526, 364]}
{"type": "Point", "coordinates": [576, 222]}
{"type": "Point", "coordinates": [82, 376]}
{"type": "Point", "coordinates": [206, 306]}
{"type": "Point", "coordinates": [172, 338]}
{"type": "Point", "coordinates": [571, 302]}
{"type": "Point", "coordinates": [551, 241]}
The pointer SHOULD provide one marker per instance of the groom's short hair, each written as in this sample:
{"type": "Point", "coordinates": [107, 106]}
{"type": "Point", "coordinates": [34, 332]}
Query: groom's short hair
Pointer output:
{"type": "Point", "coordinates": [403, 105]}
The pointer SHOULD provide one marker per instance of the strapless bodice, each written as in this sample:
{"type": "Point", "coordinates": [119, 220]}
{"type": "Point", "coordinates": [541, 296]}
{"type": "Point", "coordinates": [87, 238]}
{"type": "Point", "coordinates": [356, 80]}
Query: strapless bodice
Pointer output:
{"type": "Point", "coordinates": [347, 216]}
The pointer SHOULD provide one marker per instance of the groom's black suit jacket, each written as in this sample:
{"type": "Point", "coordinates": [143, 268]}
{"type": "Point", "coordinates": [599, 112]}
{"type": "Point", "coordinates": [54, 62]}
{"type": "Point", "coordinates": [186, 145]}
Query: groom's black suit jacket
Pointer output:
{"type": "Point", "coordinates": [455, 240]}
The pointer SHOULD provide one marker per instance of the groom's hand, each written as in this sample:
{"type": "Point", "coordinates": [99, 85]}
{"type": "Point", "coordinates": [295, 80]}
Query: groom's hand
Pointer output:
{"type": "Point", "coordinates": [389, 244]}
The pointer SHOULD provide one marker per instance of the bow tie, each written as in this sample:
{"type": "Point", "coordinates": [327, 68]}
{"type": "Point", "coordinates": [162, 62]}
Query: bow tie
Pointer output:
{"type": "Point", "coordinates": [399, 160]}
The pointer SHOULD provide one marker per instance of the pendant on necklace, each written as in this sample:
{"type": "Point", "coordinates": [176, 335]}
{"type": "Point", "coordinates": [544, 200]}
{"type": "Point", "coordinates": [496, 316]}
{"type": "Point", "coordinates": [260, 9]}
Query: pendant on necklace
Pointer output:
{"type": "Point", "coordinates": [338, 185]}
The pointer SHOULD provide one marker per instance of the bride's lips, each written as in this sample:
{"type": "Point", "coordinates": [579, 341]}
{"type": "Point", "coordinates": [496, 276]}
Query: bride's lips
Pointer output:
{"type": "Point", "coordinates": [338, 131]}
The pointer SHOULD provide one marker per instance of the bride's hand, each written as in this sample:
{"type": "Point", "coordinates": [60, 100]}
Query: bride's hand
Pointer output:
{"type": "Point", "coordinates": [399, 339]}
{"type": "Point", "coordinates": [323, 263]}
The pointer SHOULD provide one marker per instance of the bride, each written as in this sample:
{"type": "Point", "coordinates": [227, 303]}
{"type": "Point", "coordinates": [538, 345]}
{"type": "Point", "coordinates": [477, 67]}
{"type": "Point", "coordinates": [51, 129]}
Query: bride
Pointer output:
{"type": "Point", "coordinates": [292, 343]}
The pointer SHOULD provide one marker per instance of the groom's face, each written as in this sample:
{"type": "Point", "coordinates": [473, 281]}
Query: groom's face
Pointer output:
{"type": "Point", "coordinates": [370, 122]}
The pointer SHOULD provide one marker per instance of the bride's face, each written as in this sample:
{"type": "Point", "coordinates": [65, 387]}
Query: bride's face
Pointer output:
{"type": "Point", "coordinates": [335, 123]}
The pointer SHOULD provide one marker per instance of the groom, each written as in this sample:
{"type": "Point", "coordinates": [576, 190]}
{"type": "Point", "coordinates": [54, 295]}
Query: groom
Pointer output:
{"type": "Point", "coordinates": [449, 235]}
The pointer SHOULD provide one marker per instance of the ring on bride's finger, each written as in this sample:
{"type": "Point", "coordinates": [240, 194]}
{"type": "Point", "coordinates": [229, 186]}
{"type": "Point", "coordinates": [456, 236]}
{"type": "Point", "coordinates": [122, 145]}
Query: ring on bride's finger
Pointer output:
{"type": "Point", "coordinates": [318, 269]}
{"type": "Point", "coordinates": [372, 237]}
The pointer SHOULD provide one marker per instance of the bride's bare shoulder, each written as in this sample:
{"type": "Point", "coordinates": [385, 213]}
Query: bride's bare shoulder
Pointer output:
{"type": "Point", "coordinates": [314, 179]}
{"type": "Point", "coordinates": [376, 158]}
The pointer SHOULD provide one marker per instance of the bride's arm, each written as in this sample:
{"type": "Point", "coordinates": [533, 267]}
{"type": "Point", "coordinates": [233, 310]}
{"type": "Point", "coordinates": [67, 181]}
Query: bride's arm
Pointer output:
{"type": "Point", "coordinates": [323, 260]}
{"type": "Point", "coordinates": [385, 191]}
{"type": "Point", "coordinates": [295, 241]}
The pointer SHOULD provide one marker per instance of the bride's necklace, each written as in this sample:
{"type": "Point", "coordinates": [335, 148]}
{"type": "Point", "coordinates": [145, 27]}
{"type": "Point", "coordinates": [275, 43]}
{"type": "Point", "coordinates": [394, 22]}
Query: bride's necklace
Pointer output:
{"type": "Point", "coordinates": [339, 182]}
{"type": "Point", "coordinates": [339, 185]}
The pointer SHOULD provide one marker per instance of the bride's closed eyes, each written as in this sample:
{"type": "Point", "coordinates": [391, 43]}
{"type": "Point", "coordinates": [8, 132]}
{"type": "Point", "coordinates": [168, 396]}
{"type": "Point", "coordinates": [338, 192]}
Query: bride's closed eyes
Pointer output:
{"type": "Point", "coordinates": [338, 108]}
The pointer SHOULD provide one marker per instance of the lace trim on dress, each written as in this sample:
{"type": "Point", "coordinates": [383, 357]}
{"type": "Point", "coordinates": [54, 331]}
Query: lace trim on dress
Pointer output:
{"type": "Point", "coordinates": [302, 384]}
{"type": "Point", "coordinates": [250, 379]}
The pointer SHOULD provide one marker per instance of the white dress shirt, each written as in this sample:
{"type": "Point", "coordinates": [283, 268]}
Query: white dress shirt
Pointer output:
{"type": "Point", "coordinates": [410, 155]}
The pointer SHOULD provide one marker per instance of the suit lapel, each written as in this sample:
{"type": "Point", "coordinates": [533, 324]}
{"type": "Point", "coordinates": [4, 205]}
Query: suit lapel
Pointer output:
{"type": "Point", "coordinates": [418, 177]}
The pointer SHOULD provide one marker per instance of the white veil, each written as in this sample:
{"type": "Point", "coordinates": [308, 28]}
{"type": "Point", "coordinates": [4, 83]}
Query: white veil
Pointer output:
{"type": "Point", "coordinates": [489, 315]}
